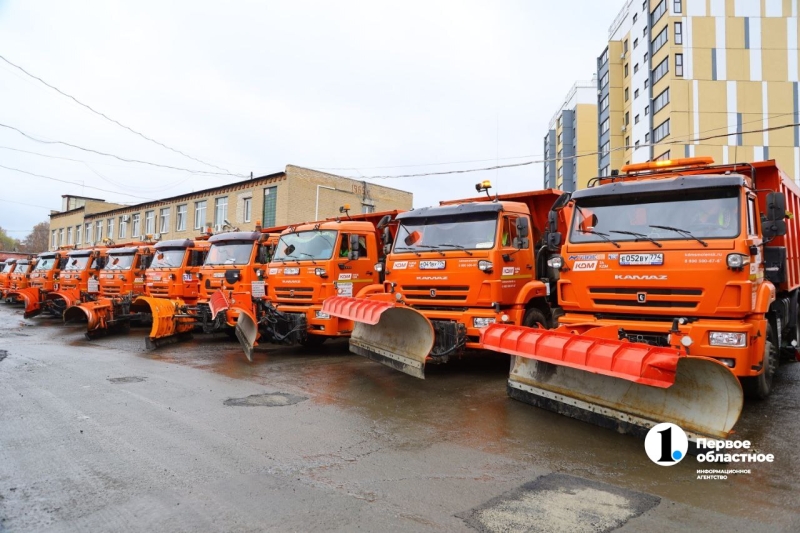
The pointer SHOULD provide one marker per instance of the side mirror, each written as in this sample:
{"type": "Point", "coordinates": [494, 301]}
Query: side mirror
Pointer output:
{"type": "Point", "coordinates": [384, 222]}
{"type": "Point", "coordinates": [412, 237]}
{"type": "Point", "coordinates": [773, 228]}
{"type": "Point", "coordinates": [561, 202]}
{"type": "Point", "coordinates": [289, 249]}
{"type": "Point", "coordinates": [523, 229]}
{"type": "Point", "coordinates": [588, 222]}
{"type": "Point", "coordinates": [776, 206]}
{"type": "Point", "coordinates": [353, 255]}
{"type": "Point", "coordinates": [264, 254]}
{"type": "Point", "coordinates": [387, 237]}
{"type": "Point", "coordinates": [553, 240]}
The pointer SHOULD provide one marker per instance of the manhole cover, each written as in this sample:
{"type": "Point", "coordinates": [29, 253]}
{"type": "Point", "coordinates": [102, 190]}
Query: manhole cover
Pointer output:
{"type": "Point", "coordinates": [127, 379]}
{"type": "Point", "coordinates": [272, 399]}
{"type": "Point", "coordinates": [3, 354]}
{"type": "Point", "coordinates": [560, 503]}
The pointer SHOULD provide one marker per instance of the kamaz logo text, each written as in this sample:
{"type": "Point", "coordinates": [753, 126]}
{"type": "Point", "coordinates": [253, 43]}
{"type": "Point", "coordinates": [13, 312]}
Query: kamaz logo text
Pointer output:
{"type": "Point", "coordinates": [638, 277]}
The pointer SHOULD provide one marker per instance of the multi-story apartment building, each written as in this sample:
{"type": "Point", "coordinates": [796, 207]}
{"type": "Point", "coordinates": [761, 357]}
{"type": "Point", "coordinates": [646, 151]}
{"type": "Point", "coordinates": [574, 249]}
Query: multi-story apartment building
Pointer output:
{"type": "Point", "coordinates": [682, 78]}
{"type": "Point", "coordinates": [572, 132]}
{"type": "Point", "coordinates": [295, 195]}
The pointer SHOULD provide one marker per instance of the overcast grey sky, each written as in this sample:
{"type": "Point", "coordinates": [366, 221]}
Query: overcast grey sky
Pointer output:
{"type": "Point", "coordinates": [251, 86]}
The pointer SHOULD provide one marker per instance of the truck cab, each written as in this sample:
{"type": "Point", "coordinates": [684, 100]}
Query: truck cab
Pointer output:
{"type": "Point", "coordinates": [43, 279]}
{"type": "Point", "coordinates": [5, 275]}
{"type": "Point", "coordinates": [123, 273]}
{"type": "Point", "coordinates": [173, 271]}
{"type": "Point", "coordinates": [19, 278]}
{"type": "Point", "coordinates": [79, 266]}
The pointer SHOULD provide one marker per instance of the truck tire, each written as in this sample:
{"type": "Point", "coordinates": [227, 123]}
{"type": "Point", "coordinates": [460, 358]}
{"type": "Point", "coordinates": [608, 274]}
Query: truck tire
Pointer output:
{"type": "Point", "coordinates": [533, 318]}
{"type": "Point", "coordinates": [759, 387]}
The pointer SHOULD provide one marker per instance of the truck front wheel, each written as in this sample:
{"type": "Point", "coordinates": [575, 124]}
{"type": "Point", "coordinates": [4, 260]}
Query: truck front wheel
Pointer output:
{"type": "Point", "coordinates": [534, 318]}
{"type": "Point", "coordinates": [759, 387]}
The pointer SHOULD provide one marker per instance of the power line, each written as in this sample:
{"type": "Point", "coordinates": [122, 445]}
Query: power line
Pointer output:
{"type": "Point", "coordinates": [73, 183]}
{"type": "Point", "coordinates": [31, 137]}
{"type": "Point", "coordinates": [432, 164]}
{"type": "Point", "coordinates": [23, 203]}
{"type": "Point", "coordinates": [111, 119]}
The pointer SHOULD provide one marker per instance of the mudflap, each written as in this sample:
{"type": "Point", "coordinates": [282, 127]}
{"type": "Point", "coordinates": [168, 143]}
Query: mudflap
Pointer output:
{"type": "Point", "coordinates": [31, 297]}
{"type": "Point", "coordinates": [97, 314]}
{"type": "Point", "coordinates": [247, 331]}
{"type": "Point", "coordinates": [629, 387]}
{"type": "Point", "coordinates": [393, 335]}
{"type": "Point", "coordinates": [169, 325]}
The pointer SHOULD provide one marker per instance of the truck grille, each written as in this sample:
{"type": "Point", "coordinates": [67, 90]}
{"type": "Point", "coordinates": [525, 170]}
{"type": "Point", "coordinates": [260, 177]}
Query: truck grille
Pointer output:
{"type": "Point", "coordinates": [653, 297]}
{"type": "Point", "coordinates": [436, 293]}
{"type": "Point", "coordinates": [294, 293]}
{"type": "Point", "coordinates": [109, 291]}
{"type": "Point", "coordinates": [159, 291]}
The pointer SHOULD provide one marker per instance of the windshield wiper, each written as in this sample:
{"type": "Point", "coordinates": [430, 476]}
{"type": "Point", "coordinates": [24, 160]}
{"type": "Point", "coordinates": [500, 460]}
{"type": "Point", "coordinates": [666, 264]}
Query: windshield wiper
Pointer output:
{"type": "Point", "coordinates": [684, 232]}
{"type": "Point", "coordinates": [293, 257]}
{"type": "Point", "coordinates": [603, 236]}
{"type": "Point", "coordinates": [309, 255]}
{"type": "Point", "coordinates": [639, 236]}
{"type": "Point", "coordinates": [429, 247]}
{"type": "Point", "coordinates": [456, 246]}
{"type": "Point", "coordinates": [409, 249]}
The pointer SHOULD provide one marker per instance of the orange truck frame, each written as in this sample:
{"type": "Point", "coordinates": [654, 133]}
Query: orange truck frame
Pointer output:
{"type": "Point", "coordinates": [678, 280]}
{"type": "Point", "coordinates": [312, 262]}
{"type": "Point", "coordinates": [73, 280]}
{"type": "Point", "coordinates": [19, 278]}
{"type": "Point", "coordinates": [120, 280]}
{"type": "Point", "coordinates": [454, 269]}
{"type": "Point", "coordinates": [170, 284]}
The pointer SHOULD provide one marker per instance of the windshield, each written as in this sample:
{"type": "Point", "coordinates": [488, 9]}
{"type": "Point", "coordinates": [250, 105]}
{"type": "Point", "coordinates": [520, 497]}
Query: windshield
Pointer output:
{"type": "Point", "coordinates": [168, 258]}
{"type": "Point", "coordinates": [703, 213]}
{"type": "Point", "coordinates": [314, 244]}
{"type": "Point", "coordinates": [45, 263]}
{"type": "Point", "coordinates": [76, 263]}
{"type": "Point", "coordinates": [474, 231]}
{"type": "Point", "coordinates": [119, 262]}
{"type": "Point", "coordinates": [230, 253]}
{"type": "Point", "coordinates": [8, 268]}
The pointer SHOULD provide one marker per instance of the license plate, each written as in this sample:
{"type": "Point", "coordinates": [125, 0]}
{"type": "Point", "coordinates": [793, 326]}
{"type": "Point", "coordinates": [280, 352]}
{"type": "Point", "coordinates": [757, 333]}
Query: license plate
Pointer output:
{"type": "Point", "coordinates": [291, 271]}
{"type": "Point", "coordinates": [641, 259]}
{"type": "Point", "coordinates": [431, 265]}
{"type": "Point", "coordinates": [344, 289]}
{"type": "Point", "coordinates": [257, 289]}
{"type": "Point", "coordinates": [155, 278]}
{"type": "Point", "coordinates": [93, 286]}
{"type": "Point", "coordinates": [219, 274]}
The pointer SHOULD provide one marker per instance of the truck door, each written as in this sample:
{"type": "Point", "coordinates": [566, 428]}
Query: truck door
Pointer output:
{"type": "Point", "coordinates": [518, 269]}
{"type": "Point", "coordinates": [353, 274]}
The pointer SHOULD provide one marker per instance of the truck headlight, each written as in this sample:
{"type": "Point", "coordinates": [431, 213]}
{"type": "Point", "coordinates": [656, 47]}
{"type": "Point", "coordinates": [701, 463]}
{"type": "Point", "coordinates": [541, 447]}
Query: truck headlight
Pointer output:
{"type": "Point", "coordinates": [737, 261]}
{"type": "Point", "coordinates": [378, 267]}
{"type": "Point", "coordinates": [321, 272]}
{"type": "Point", "coordinates": [481, 322]}
{"type": "Point", "coordinates": [321, 315]}
{"type": "Point", "coordinates": [556, 262]}
{"type": "Point", "coordinates": [484, 265]}
{"type": "Point", "coordinates": [727, 338]}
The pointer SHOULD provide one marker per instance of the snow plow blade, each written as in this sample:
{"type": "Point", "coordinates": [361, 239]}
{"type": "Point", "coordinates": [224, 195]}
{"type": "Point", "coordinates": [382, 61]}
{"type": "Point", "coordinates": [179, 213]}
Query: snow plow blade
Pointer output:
{"type": "Point", "coordinates": [95, 314]}
{"type": "Point", "coordinates": [62, 299]}
{"type": "Point", "coordinates": [247, 331]}
{"type": "Point", "coordinates": [31, 298]}
{"type": "Point", "coordinates": [394, 335]}
{"type": "Point", "coordinates": [169, 323]}
{"type": "Point", "coordinates": [629, 387]}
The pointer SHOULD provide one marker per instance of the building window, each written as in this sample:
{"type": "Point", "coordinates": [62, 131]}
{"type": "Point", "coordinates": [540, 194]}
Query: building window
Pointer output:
{"type": "Point", "coordinates": [560, 138]}
{"type": "Point", "coordinates": [636, 145]}
{"type": "Point", "coordinates": [658, 12]}
{"type": "Point", "coordinates": [605, 148]}
{"type": "Point", "coordinates": [636, 68]}
{"type": "Point", "coordinates": [560, 172]}
{"type": "Point", "coordinates": [367, 208]}
{"type": "Point", "coordinates": [644, 5]}
{"type": "Point", "coordinates": [271, 204]}
{"type": "Point", "coordinates": [647, 137]}
{"type": "Point", "coordinates": [604, 103]}
{"type": "Point", "coordinates": [627, 142]}
{"type": "Point", "coordinates": [626, 70]}
{"type": "Point", "coordinates": [163, 220]}
{"type": "Point", "coordinates": [636, 119]}
{"type": "Point", "coordinates": [627, 94]}
{"type": "Point", "coordinates": [661, 131]}
{"type": "Point", "coordinates": [627, 118]}
{"type": "Point", "coordinates": [636, 94]}
{"type": "Point", "coordinates": [200, 214]}
{"type": "Point", "coordinates": [78, 235]}
{"type": "Point", "coordinates": [677, 6]}
{"type": "Point", "coordinates": [110, 228]}
{"type": "Point", "coordinates": [98, 228]}
{"type": "Point", "coordinates": [220, 211]}
{"type": "Point", "coordinates": [635, 18]}
{"type": "Point", "coordinates": [660, 40]}
{"type": "Point", "coordinates": [604, 80]}
{"type": "Point", "coordinates": [604, 57]}
{"type": "Point", "coordinates": [646, 83]}
{"type": "Point", "coordinates": [646, 55]}
{"type": "Point", "coordinates": [54, 240]}
{"type": "Point", "coordinates": [660, 101]}
{"type": "Point", "coordinates": [604, 126]}
{"type": "Point", "coordinates": [149, 222]}
{"type": "Point", "coordinates": [87, 231]}
{"type": "Point", "coordinates": [180, 214]}
{"type": "Point", "coordinates": [644, 32]}
{"type": "Point", "coordinates": [647, 110]}
{"type": "Point", "coordinates": [661, 70]}
{"type": "Point", "coordinates": [625, 46]}
{"type": "Point", "coordinates": [61, 240]}
{"type": "Point", "coordinates": [559, 154]}
{"type": "Point", "coordinates": [136, 226]}
{"type": "Point", "coordinates": [679, 65]}
{"type": "Point", "coordinates": [123, 226]}
{"type": "Point", "coordinates": [678, 33]}
{"type": "Point", "coordinates": [69, 235]}
{"type": "Point", "coordinates": [604, 170]}
{"type": "Point", "coordinates": [662, 157]}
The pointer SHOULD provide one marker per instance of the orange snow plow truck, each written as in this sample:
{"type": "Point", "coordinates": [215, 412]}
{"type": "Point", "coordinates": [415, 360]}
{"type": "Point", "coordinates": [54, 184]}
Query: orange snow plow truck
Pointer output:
{"type": "Point", "coordinates": [73, 281]}
{"type": "Point", "coordinates": [43, 279]}
{"type": "Point", "coordinates": [454, 269]}
{"type": "Point", "coordinates": [678, 284]}
{"type": "Point", "coordinates": [18, 278]}
{"type": "Point", "coordinates": [314, 261]}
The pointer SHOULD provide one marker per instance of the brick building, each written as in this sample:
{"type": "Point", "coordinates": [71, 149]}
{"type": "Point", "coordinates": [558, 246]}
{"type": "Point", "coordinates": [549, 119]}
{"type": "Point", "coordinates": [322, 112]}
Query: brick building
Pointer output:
{"type": "Point", "coordinates": [295, 195]}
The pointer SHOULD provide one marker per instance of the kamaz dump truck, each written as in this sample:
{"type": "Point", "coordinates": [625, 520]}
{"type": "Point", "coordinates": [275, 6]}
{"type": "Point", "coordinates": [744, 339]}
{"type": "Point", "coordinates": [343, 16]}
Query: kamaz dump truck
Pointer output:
{"type": "Point", "coordinates": [43, 279]}
{"type": "Point", "coordinates": [5, 276]}
{"type": "Point", "coordinates": [453, 270]}
{"type": "Point", "coordinates": [19, 278]}
{"type": "Point", "coordinates": [314, 261]}
{"type": "Point", "coordinates": [171, 284]}
{"type": "Point", "coordinates": [73, 282]}
{"type": "Point", "coordinates": [120, 281]}
{"type": "Point", "coordinates": [678, 282]}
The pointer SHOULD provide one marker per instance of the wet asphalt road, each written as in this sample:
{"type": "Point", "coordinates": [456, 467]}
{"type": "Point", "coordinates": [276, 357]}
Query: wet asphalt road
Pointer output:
{"type": "Point", "coordinates": [105, 436]}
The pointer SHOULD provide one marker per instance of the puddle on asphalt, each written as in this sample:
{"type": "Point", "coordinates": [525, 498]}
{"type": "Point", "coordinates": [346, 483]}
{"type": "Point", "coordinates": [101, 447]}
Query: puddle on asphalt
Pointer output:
{"type": "Point", "coordinates": [127, 379]}
{"type": "Point", "coordinates": [272, 399]}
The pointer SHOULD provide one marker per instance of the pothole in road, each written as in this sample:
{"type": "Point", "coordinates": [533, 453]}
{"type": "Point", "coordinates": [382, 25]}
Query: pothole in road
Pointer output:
{"type": "Point", "coordinates": [127, 379]}
{"type": "Point", "coordinates": [560, 503]}
{"type": "Point", "coordinates": [271, 399]}
{"type": "Point", "coordinates": [3, 354]}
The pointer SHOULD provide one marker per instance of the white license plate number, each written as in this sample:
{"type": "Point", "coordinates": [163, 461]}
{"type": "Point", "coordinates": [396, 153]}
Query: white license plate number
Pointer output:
{"type": "Point", "coordinates": [431, 265]}
{"type": "Point", "coordinates": [641, 259]}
